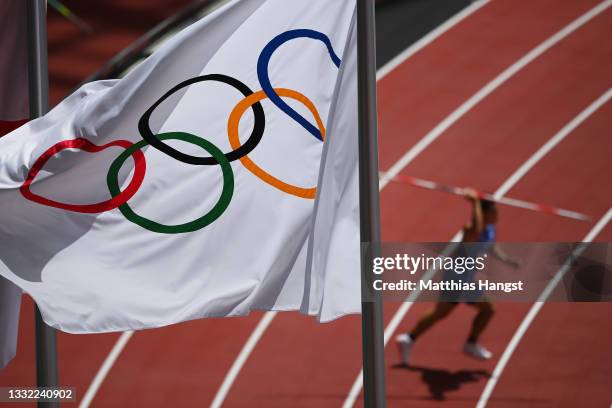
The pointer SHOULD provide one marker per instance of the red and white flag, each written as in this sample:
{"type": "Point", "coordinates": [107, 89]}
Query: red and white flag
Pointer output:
{"type": "Point", "coordinates": [13, 113]}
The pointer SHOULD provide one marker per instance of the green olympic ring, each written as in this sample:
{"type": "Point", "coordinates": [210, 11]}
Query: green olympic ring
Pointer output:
{"type": "Point", "coordinates": [208, 218]}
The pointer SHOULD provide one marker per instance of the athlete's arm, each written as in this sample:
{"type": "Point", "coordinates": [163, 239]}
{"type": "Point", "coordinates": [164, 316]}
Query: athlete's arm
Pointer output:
{"type": "Point", "coordinates": [472, 231]}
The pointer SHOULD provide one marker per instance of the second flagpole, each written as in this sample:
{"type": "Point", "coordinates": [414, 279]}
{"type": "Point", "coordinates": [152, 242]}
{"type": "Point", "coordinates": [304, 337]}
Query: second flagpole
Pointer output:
{"type": "Point", "coordinates": [46, 349]}
{"type": "Point", "coordinates": [372, 309]}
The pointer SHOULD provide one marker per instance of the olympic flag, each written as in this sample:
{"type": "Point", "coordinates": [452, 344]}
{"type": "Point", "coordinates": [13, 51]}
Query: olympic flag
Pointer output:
{"type": "Point", "coordinates": [217, 177]}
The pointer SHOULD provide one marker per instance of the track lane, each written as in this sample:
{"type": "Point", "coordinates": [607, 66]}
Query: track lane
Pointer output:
{"type": "Point", "coordinates": [505, 129]}
{"type": "Point", "coordinates": [446, 374]}
{"type": "Point", "coordinates": [180, 365]}
{"type": "Point", "coordinates": [562, 104]}
{"type": "Point", "coordinates": [593, 161]}
{"type": "Point", "coordinates": [570, 346]}
{"type": "Point", "coordinates": [476, 56]}
{"type": "Point", "coordinates": [569, 342]}
{"type": "Point", "coordinates": [550, 228]}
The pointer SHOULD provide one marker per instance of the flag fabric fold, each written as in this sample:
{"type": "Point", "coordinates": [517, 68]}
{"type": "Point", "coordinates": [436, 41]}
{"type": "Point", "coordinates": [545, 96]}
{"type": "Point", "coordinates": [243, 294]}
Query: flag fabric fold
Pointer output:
{"type": "Point", "coordinates": [218, 177]}
{"type": "Point", "coordinates": [335, 237]}
{"type": "Point", "coordinates": [10, 304]}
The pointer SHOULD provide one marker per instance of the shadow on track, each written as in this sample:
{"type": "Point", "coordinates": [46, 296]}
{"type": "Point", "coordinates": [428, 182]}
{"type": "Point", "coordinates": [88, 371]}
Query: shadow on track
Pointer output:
{"type": "Point", "coordinates": [440, 381]}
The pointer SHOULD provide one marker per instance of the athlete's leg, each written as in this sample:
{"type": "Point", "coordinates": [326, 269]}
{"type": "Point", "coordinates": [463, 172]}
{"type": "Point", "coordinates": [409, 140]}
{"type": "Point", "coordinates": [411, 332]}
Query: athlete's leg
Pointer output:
{"type": "Point", "coordinates": [439, 312]}
{"type": "Point", "coordinates": [484, 315]}
{"type": "Point", "coordinates": [482, 319]}
{"type": "Point", "coordinates": [406, 340]}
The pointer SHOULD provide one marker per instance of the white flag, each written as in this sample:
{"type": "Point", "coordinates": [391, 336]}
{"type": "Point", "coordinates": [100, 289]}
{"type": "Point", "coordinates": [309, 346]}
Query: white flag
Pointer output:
{"type": "Point", "coordinates": [187, 189]}
{"type": "Point", "coordinates": [13, 111]}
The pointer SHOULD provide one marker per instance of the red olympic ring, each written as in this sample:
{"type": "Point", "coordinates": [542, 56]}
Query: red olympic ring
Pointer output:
{"type": "Point", "coordinates": [86, 145]}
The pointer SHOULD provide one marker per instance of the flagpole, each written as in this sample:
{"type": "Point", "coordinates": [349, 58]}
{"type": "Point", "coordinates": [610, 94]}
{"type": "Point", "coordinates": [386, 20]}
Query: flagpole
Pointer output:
{"type": "Point", "coordinates": [38, 81]}
{"type": "Point", "coordinates": [371, 309]}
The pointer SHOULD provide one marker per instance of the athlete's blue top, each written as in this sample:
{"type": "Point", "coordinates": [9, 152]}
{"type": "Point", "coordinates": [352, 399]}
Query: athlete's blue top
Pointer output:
{"type": "Point", "coordinates": [485, 241]}
{"type": "Point", "coordinates": [488, 233]}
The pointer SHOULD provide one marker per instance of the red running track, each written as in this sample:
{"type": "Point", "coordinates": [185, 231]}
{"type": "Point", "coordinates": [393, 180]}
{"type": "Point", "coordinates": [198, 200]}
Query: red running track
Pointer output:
{"type": "Point", "coordinates": [445, 373]}
{"type": "Point", "coordinates": [535, 104]}
{"type": "Point", "coordinates": [568, 343]}
{"type": "Point", "coordinates": [301, 363]}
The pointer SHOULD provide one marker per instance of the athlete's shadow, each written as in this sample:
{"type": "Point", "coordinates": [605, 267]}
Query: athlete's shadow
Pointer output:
{"type": "Point", "coordinates": [441, 381]}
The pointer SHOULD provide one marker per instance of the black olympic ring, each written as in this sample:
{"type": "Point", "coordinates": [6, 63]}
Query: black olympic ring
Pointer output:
{"type": "Point", "coordinates": [246, 148]}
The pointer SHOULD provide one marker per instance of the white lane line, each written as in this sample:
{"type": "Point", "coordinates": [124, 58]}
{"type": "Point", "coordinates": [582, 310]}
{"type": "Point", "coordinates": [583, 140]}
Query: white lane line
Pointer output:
{"type": "Point", "coordinates": [543, 151]}
{"type": "Point", "coordinates": [105, 368]}
{"type": "Point", "coordinates": [503, 189]}
{"type": "Point", "coordinates": [468, 105]}
{"type": "Point", "coordinates": [242, 358]}
{"type": "Point", "coordinates": [429, 38]}
{"type": "Point", "coordinates": [535, 309]}
{"type": "Point", "coordinates": [380, 74]}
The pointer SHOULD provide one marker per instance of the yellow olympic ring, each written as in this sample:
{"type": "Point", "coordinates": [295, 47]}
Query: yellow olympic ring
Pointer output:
{"type": "Point", "coordinates": [234, 139]}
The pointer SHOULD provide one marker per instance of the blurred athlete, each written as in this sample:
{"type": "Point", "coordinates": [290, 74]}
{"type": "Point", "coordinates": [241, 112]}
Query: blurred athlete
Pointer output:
{"type": "Point", "coordinates": [482, 229]}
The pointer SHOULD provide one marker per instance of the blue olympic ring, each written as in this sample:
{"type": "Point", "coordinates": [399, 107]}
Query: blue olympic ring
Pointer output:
{"type": "Point", "coordinates": [264, 77]}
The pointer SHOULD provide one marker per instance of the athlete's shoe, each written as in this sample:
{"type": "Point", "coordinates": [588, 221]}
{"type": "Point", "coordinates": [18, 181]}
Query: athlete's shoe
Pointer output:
{"type": "Point", "coordinates": [477, 351]}
{"type": "Point", "coordinates": [404, 345]}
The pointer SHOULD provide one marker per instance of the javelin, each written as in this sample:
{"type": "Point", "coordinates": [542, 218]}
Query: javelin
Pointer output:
{"type": "Point", "coordinates": [513, 202]}
{"type": "Point", "coordinates": [66, 12]}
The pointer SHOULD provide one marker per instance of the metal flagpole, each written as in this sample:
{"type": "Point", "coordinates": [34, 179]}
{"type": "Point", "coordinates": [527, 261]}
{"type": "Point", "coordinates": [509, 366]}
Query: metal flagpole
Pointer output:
{"type": "Point", "coordinates": [371, 309]}
{"type": "Point", "coordinates": [46, 349]}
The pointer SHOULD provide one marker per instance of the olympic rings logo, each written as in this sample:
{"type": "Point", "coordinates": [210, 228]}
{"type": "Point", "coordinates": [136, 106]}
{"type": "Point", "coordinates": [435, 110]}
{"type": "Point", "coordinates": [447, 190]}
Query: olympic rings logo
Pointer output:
{"type": "Point", "coordinates": [252, 100]}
